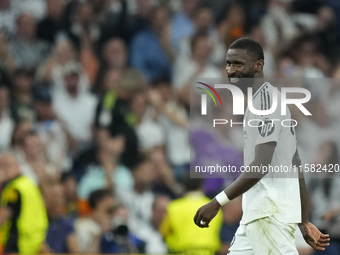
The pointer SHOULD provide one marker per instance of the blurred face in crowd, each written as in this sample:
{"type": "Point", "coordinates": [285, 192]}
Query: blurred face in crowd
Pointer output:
{"type": "Point", "coordinates": [103, 212]}
{"type": "Point", "coordinates": [202, 48]}
{"type": "Point", "coordinates": [305, 53]}
{"type": "Point", "coordinates": [9, 168]}
{"type": "Point", "coordinates": [115, 53]}
{"type": "Point", "coordinates": [160, 19]}
{"type": "Point", "coordinates": [113, 145]}
{"type": "Point", "coordinates": [159, 210]}
{"type": "Point", "coordinates": [44, 110]}
{"type": "Point", "coordinates": [235, 15]}
{"type": "Point", "coordinates": [70, 189]}
{"type": "Point", "coordinates": [204, 20]}
{"type": "Point", "coordinates": [55, 8]}
{"type": "Point", "coordinates": [239, 65]}
{"type": "Point", "coordinates": [325, 18]}
{"type": "Point", "coordinates": [26, 27]}
{"type": "Point", "coordinates": [4, 99]}
{"type": "Point", "coordinates": [64, 51]}
{"type": "Point", "coordinates": [138, 105]}
{"type": "Point", "coordinates": [71, 83]}
{"type": "Point", "coordinates": [21, 130]}
{"type": "Point", "coordinates": [23, 83]}
{"type": "Point", "coordinates": [164, 89]}
{"type": "Point", "coordinates": [189, 6]}
{"type": "Point", "coordinates": [33, 146]}
{"type": "Point", "coordinates": [144, 175]}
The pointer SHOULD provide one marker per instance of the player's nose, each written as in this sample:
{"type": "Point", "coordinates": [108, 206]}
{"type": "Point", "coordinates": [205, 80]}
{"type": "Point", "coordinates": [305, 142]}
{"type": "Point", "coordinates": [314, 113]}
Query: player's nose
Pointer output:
{"type": "Point", "coordinates": [231, 70]}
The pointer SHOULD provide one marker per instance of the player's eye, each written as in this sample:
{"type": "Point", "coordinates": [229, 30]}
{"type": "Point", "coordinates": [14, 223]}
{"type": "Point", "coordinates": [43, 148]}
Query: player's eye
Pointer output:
{"type": "Point", "coordinates": [238, 64]}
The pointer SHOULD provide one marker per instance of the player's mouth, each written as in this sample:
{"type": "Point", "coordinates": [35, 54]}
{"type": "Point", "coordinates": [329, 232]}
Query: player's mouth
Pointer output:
{"type": "Point", "coordinates": [234, 80]}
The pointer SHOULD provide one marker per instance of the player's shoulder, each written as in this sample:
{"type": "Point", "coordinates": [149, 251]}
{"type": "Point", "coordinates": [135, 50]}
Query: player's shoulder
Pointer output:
{"type": "Point", "coordinates": [265, 95]}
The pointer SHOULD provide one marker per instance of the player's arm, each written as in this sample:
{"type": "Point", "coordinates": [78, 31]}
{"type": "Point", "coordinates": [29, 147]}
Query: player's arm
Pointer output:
{"type": "Point", "coordinates": [263, 156]}
{"type": "Point", "coordinates": [310, 233]}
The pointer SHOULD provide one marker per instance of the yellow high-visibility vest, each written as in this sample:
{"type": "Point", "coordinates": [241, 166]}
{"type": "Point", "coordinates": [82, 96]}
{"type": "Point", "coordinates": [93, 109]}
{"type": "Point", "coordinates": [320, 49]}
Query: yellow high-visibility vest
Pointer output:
{"type": "Point", "coordinates": [180, 232]}
{"type": "Point", "coordinates": [32, 222]}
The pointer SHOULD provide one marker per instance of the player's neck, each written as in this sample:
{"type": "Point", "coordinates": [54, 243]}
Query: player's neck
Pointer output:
{"type": "Point", "coordinates": [257, 84]}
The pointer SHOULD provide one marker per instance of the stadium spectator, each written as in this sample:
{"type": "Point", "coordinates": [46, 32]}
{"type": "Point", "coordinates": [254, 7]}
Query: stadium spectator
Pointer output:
{"type": "Point", "coordinates": [113, 114]}
{"type": "Point", "coordinates": [61, 237]}
{"type": "Point", "coordinates": [49, 129]}
{"type": "Point", "coordinates": [151, 50]}
{"type": "Point", "coordinates": [7, 64]}
{"type": "Point", "coordinates": [74, 206]}
{"type": "Point", "coordinates": [90, 230]}
{"type": "Point", "coordinates": [285, 28]}
{"type": "Point", "coordinates": [177, 229]}
{"type": "Point", "coordinates": [27, 50]}
{"type": "Point", "coordinates": [51, 70]}
{"type": "Point", "coordinates": [21, 129]}
{"type": "Point", "coordinates": [75, 106]}
{"type": "Point", "coordinates": [49, 28]}
{"type": "Point", "coordinates": [23, 218]}
{"type": "Point", "coordinates": [36, 8]}
{"type": "Point", "coordinates": [86, 32]}
{"type": "Point", "coordinates": [114, 58]}
{"type": "Point", "coordinates": [204, 25]}
{"type": "Point", "coordinates": [119, 240]}
{"type": "Point", "coordinates": [174, 121]}
{"type": "Point", "coordinates": [22, 105]}
{"type": "Point", "coordinates": [149, 132]}
{"type": "Point", "coordinates": [197, 66]}
{"type": "Point", "coordinates": [6, 122]}
{"type": "Point", "coordinates": [105, 170]}
{"type": "Point", "coordinates": [154, 242]}
{"type": "Point", "coordinates": [35, 164]}
{"type": "Point", "coordinates": [183, 22]}
{"type": "Point", "coordinates": [139, 20]}
{"type": "Point", "coordinates": [115, 53]}
{"type": "Point", "coordinates": [151, 138]}
{"type": "Point", "coordinates": [138, 199]}
{"type": "Point", "coordinates": [8, 16]}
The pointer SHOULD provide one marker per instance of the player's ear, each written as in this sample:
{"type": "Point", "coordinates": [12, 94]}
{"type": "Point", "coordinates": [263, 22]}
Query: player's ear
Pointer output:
{"type": "Point", "coordinates": [259, 65]}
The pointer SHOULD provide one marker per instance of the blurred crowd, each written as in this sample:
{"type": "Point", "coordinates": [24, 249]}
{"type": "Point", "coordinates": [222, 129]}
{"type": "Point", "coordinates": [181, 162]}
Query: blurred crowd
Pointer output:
{"type": "Point", "coordinates": [95, 111]}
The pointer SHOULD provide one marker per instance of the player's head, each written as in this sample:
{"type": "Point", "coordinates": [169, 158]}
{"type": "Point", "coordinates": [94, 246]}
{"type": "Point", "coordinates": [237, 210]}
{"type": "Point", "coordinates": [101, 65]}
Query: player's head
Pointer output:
{"type": "Point", "coordinates": [245, 59]}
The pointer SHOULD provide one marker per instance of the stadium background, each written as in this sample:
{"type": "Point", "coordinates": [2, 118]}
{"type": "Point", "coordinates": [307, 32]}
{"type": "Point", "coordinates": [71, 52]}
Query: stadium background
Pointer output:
{"type": "Point", "coordinates": [95, 95]}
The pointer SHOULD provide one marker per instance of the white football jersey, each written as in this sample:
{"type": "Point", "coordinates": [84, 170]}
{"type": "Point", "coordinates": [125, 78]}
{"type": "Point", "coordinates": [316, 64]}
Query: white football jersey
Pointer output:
{"type": "Point", "coordinates": [273, 195]}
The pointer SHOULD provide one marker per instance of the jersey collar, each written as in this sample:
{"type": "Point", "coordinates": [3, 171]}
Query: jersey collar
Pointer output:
{"type": "Point", "coordinates": [259, 89]}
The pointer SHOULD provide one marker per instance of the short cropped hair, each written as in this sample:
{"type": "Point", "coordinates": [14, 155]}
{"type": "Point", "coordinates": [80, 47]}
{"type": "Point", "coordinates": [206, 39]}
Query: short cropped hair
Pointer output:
{"type": "Point", "coordinates": [253, 48]}
{"type": "Point", "coordinates": [98, 195]}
